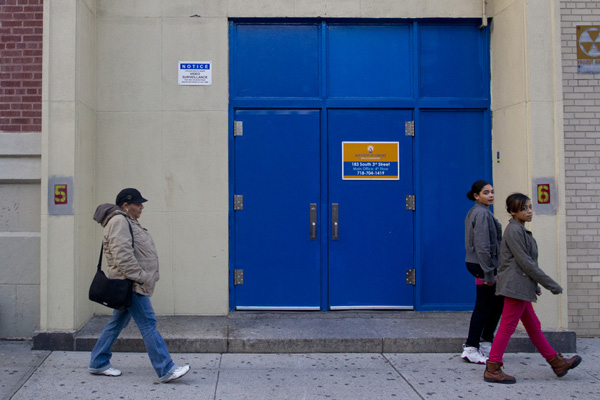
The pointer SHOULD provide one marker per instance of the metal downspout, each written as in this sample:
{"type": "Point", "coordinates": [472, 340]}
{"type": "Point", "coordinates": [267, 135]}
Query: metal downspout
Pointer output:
{"type": "Point", "coordinates": [484, 21]}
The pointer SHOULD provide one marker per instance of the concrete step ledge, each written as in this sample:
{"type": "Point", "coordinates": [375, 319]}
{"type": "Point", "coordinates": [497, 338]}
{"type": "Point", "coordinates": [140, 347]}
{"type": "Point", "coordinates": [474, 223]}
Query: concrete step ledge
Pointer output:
{"type": "Point", "coordinates": [302, 332]}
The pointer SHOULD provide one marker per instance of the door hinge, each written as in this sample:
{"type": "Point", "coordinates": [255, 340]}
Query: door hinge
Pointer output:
{"type": "Point", "coordinates": [238, 202]}
{"type": "Point", "coordinates": [411, 277]}
{"type": "Point", "coordinates": [411, 202]}
{"type": "Point", "coordinates": [409, 128]}
{"type": "Point", "coordinates": [238, 277]}
{"type": "Point", "coordinates": [238, 128]}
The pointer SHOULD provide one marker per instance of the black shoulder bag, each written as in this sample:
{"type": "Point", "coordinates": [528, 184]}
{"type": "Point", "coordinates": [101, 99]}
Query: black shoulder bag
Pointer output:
{"type": "Point", "coordinates": [113, 293]}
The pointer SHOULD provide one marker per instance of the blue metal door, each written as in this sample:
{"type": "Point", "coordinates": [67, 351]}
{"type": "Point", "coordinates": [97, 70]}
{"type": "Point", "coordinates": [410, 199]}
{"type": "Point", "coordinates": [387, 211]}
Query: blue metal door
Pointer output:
{"type": "Point", "coordinates": [279, 220]}
{"type": "Point", "coordinates": [371, 241]}
{"type": "Point", "coordinates": [276, 245]}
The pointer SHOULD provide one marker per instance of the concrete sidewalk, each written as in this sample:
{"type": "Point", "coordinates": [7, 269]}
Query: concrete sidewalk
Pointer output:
{"type": "Point", "coordinates": [301, 332]}
{"type": "Point", "coordinates": [61, 375]}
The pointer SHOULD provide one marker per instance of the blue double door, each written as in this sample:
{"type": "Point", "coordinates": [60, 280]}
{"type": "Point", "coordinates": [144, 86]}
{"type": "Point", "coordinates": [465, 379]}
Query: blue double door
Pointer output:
{"type": "Point", "coordinates": [305, 237]}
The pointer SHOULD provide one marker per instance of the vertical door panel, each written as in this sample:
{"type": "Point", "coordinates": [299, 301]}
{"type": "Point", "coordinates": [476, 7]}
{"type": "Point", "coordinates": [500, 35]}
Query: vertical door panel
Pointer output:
{"type": "Point", "coordinates": [277, 172]}
{"type": "Point", "coordinates": [368, 263]}
{"type": "Point", "coordinates": [454, 152]}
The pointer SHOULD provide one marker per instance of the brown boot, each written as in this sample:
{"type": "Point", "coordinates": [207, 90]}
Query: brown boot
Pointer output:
{"type": "Point", "coordinates": [493, 373]}
{"type": "Point", "coordinates": [562, 365]}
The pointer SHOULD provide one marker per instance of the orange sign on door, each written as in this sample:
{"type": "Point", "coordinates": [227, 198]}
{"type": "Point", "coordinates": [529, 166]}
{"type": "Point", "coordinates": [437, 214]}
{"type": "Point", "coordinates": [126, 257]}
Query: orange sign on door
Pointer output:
{"type": "Point", "coordinates": [370, 160]}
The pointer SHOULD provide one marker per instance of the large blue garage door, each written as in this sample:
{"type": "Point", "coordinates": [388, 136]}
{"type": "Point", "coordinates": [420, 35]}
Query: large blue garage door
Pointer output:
{"type": "Point", "coordinates": [351, 148]}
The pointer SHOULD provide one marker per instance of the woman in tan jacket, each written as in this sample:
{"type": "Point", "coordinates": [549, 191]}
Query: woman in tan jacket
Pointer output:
{"type": "Point", "coordinates": [131, 254]}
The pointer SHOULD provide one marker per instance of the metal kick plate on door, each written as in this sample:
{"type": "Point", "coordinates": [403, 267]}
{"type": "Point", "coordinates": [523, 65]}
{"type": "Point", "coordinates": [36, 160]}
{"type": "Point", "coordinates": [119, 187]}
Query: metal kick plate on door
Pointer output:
{"type": "Point", "coordinates": [335, 229]}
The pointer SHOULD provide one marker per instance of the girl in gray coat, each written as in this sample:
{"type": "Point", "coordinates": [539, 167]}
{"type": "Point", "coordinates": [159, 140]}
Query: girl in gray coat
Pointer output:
{"type": "Point", "coordinates": [518, 277]}
{"type": "Point", "coordinates": [483, 234]}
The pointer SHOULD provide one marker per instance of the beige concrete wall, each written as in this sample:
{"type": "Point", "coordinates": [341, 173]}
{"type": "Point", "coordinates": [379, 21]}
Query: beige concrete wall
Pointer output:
{"type": "Point", "coordinates": [58, 78]}
{"type": "Point", "coordinates": [69, 147]}
{"type": "Point", "coordinates": [355, 8]}
{"type": "Point", "coordinates": [85, 155]}
{"type": "Point", "coordinates": [169, 141]}
{"type": "Point", "coordinates": [527, 127]}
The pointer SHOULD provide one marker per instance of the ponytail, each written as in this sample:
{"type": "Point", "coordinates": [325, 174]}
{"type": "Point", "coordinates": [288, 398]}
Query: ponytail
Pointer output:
{"type": "Point", "coordinates": [476, 189]}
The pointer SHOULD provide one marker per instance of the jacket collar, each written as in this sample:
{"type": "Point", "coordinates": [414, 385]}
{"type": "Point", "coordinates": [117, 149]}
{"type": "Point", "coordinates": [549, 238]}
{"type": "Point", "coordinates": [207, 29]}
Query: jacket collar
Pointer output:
{"type": "Point", "coordinates": [112, 214]}
{"type": "Point", "coordinates": [514, 221]}
{"type": "Point", "coordinates": [479, 204]}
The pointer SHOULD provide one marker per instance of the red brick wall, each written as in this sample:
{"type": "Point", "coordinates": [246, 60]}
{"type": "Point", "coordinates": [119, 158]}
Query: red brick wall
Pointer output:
{"type": "Point", "coordinates": [21, 23]}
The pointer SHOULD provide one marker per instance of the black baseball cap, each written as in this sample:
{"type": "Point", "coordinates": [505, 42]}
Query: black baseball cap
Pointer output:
{"type": "Point", "coordinates": [129, 195]}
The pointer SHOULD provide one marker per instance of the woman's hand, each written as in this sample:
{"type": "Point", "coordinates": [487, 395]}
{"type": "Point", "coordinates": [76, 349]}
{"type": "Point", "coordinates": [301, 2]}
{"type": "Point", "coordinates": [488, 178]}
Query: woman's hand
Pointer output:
{"type": "Point", "coordinates": [556, 290]}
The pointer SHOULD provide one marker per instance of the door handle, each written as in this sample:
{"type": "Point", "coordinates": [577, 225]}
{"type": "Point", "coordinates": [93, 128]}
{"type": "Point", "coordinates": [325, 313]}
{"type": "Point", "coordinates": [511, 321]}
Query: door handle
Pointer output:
{"type": "Point", "coordinates": [335, 229]}
{"type": "Point", "coordinates": [313, 221]}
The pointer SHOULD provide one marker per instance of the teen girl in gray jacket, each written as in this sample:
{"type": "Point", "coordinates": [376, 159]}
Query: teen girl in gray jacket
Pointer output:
{"type": "Point", "coordinates": [518, 277]}
{"type": "Point", "coordinates": [483, 234]}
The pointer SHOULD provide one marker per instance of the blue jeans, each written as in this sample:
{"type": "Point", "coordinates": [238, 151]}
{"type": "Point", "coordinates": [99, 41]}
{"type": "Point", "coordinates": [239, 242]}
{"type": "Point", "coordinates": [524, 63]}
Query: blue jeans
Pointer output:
{"type": "Point", "coordinates": [143, 314]}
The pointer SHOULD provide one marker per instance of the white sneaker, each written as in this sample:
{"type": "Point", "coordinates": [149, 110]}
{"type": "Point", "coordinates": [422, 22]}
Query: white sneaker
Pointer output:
{"type": "Point", "coordinates": [472, 354]}
{"type": "Point", "coordinates": [485, 348]}
{"type": "Point", "coordinates": [110, 371]}
{"type": "Point", "coordinates": [175, 373]}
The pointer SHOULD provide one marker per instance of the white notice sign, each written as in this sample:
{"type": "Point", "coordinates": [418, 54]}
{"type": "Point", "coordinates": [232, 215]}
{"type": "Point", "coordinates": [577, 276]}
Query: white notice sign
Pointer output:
{"type": "Point", "coordinates": [195, 73]}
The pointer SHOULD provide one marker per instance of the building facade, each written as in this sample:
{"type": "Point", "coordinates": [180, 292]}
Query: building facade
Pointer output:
{"type": "Point", "coordinates": [489, 88]}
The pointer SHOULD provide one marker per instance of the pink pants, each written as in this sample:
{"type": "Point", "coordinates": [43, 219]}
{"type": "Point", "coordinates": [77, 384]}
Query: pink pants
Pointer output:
{"type": "Point", "coordinates": [515, 310]}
